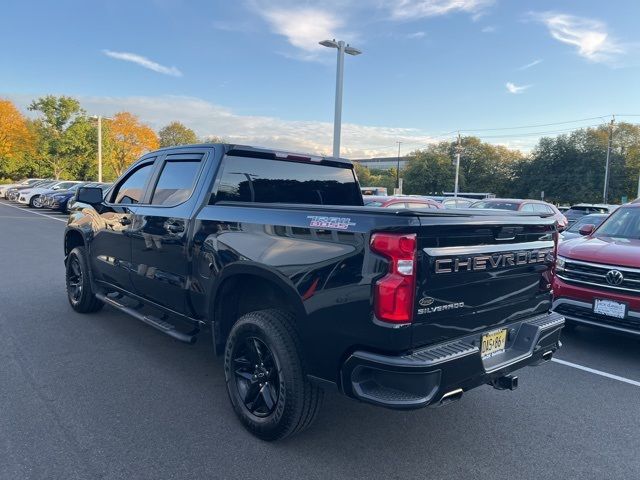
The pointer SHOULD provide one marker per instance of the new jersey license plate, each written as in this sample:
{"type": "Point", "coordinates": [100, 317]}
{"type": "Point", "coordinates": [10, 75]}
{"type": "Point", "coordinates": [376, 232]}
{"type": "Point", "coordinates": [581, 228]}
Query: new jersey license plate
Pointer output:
{"type": "Point", "coordinates": [493, 343]}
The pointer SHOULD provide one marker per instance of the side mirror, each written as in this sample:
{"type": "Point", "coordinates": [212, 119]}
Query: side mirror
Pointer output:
{"type": "Point", "coordinates": [586, 229]}
{"type": "Point", "coordinates": [90, 195]}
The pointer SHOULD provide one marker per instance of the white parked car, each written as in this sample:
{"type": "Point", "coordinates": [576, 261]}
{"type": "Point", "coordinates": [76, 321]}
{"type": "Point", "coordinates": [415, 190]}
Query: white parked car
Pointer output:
{"type": "Point", "coordinates": [24, 183]}
{"type": "Point", "coordinates": [31, 196]}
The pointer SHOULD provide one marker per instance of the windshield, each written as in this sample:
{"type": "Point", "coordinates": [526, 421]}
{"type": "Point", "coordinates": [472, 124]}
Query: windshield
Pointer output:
{"type": "Point", "coordinates": [580, 210]}
{"type": "Point", "coordinates": [623, 223]}
{"type": "Point", "coordinates": [587, 220]}
{"type": "Point", "coordinates": [497, 205]}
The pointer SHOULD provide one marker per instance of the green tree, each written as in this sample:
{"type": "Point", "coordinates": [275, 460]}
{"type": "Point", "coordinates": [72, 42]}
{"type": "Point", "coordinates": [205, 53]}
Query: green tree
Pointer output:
{"type": "Point", "coordinates": [58, 113]}
{"type": "Point", "coordinates": [485, 167]}
{"type": "Point", "coordinates": [176, 134]}
{"type": "Point", "coordinates": [429, 171]}
{"type": "Point", "coordinates": [570, 168]}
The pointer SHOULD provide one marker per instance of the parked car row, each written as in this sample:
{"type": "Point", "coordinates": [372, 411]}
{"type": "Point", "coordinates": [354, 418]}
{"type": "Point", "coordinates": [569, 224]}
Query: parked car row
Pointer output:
{"type": "Point", "coordinates": [46, 193]}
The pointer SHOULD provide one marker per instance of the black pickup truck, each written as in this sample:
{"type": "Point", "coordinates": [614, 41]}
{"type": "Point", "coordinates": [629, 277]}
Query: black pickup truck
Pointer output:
{"type": "Point", "coordinates": [304, 289]}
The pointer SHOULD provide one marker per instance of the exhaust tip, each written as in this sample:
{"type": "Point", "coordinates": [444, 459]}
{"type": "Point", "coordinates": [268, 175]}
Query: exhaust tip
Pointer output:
{"type": "Point", "coordinates": [452, 396]}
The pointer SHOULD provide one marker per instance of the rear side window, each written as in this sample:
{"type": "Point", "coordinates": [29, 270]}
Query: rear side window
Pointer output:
{"type": "Point", "coordinates": [176, 180]}
{"type": "Point", "coordinates": [131, 189]}
{"type": "Point", "coordinates": [246, 179]}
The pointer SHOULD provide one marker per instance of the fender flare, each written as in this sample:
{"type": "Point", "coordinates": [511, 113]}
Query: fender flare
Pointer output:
{"type": "Point", "coordinates": [257, 270]}
{"type": "Point", "coordinates": [292, 297]}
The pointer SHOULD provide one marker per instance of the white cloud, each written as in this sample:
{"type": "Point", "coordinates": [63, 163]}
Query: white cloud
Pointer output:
{"type": "Point", "coordinates": [531, 64]}
{"type": "Point", "coordinates": [411, 9]}
{"type": "Point", "coordinates": [303, 27]}
{"type": "Point", "coordinates": [515, 89]}
{"type": "Point", "coordinates": [488, 29]}
{"type": "Point", "coordinates": [416, 35]}
{"type": "Point", "coordinates": [208, 119]}
{"type": "Point", "coordinates": [143, 62]}
{"type": "Point", "coordinates": [590, 37]}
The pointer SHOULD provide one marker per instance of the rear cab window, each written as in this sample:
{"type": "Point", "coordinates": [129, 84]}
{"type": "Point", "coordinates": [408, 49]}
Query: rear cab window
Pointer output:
{"type": "Point", "coordinates": [262, 180]}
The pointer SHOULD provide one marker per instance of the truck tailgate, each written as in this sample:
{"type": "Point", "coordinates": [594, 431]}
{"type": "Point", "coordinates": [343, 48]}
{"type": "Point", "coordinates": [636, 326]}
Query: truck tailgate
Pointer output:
{"type": "Point", "coordinates": [479, 275]}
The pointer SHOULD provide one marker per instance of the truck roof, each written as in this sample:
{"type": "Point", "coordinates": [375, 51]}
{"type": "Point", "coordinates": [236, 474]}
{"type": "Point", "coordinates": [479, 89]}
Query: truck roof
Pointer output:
{"type": "Point", "coordinates": [262, 152]}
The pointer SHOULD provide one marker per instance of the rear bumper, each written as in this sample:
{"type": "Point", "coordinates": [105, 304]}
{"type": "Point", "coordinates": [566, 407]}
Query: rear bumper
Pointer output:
{"type": "Point", "coordinates": [432, 375]}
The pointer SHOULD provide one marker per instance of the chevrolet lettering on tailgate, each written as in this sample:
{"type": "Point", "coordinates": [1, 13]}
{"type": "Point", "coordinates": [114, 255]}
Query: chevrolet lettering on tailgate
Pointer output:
{"type": "Point", "coordinates": [490, 262]}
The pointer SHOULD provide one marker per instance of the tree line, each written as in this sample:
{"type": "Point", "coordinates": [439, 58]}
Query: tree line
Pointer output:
{"type": "Point", "coordinates": [569, 168]}
{"type": "Point", "coordinates": [62, 140]}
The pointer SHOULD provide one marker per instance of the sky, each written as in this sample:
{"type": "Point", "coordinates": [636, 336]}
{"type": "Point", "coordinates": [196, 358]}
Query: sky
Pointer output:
{"type": "Point", "coordinates": [252, 71]}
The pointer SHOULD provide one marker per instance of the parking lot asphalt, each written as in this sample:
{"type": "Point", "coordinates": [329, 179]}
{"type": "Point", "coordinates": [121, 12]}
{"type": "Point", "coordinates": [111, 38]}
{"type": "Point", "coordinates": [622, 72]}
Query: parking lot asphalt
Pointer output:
{"type": "Point", "coordinates": [104, 396]}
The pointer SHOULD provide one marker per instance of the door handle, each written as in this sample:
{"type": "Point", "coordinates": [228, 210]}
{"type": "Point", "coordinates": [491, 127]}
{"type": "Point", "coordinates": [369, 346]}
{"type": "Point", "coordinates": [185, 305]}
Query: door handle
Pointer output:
{"type": "Point", "coordinates": [175, 228]}
{"type": "Point", "coordinates": [124, 221]}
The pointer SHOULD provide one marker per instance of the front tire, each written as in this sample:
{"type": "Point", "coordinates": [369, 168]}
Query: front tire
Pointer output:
{"type": "Point", "coordinates": [79, 290]}
{"type": "Point", "coordinates": [265, 375]}
{"type": "Point", "coordinates": [35, 202]}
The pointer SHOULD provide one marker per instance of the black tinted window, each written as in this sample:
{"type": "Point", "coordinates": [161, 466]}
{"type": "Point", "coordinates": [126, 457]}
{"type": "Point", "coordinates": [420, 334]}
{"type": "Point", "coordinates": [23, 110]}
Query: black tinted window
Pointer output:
{"type": "Point", "coordinates": [176, 182]}
{"type": "Point", "coordinates": [132, 188]}
{"type": "Point", "coordinates": [262, 180]}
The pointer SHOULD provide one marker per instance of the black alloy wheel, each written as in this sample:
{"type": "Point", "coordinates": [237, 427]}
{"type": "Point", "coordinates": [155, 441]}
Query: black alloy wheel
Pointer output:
{"type": "Point", "coordinates": [78, 281]}
{"type": "Point", "coordinates": [266, 375]}
{"type": "Point", "coordinates": [74, 279]}
{"type": "Point", "coordinates": [256, 376]}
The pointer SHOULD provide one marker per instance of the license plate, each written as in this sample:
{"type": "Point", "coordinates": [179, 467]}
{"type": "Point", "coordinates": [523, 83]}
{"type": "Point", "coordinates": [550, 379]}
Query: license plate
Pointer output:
{"type": "Point", "coordinates": [493, 343]}
{"type": "Point", "coordinates": [609, 308]}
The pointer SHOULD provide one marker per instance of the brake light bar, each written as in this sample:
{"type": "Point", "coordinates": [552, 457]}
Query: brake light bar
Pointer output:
{"type": "Point", "coordinates": [394, 293]}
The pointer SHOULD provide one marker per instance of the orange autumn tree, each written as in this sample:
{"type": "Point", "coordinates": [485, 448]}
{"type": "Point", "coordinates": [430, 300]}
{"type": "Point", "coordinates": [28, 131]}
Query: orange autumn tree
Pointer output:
{"type": "Point", "coordinates": [16, 140]}
{"type": "Point", "coordinates": [129, 139]}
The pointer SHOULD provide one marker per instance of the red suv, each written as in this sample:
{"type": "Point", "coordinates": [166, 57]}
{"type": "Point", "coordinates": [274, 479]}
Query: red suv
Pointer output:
{"type": "Point", "coordinates": [597, 276]}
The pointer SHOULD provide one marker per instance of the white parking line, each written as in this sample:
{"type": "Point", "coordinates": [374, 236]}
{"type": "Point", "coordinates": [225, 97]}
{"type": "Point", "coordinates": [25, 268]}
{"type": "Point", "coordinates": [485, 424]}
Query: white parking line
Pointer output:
{"type": "Point", "coordinates": [35, 213]}
{"type": "Point", "coordinates": [597, 372]}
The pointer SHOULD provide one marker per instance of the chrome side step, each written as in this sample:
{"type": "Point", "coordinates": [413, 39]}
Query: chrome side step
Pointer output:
{"type": "Point", "coordinates": [157, 323]}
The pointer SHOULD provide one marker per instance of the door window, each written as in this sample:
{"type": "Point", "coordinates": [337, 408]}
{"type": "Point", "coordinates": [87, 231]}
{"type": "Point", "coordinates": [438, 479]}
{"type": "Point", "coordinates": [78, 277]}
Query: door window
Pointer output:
{"type": "Point", "coordinates": [176, 180]}
{"type": "Point", "coordinates": [528, 207]}
{"type": "Point", "coordinates": [131, 189]}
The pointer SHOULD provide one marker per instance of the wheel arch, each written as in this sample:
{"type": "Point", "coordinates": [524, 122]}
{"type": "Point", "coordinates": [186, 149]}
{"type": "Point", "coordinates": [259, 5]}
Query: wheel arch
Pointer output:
{"type": "Point", "coordinates": [73, 238]}
{"type": "Point", "coordinates": [246, 287]}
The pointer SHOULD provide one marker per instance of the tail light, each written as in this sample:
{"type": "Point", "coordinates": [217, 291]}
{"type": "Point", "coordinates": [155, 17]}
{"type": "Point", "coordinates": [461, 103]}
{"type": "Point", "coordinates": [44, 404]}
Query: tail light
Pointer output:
{"type": "Point", "coordinates": [394, 293]}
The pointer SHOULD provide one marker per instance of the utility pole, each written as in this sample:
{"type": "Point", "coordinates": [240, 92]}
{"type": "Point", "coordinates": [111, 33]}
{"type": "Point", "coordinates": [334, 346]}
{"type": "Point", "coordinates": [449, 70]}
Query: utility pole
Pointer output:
{"type": "Point", "coordinates": [458, 151]}
{"type": "Point", "coordinates": [398, 168]}
{"type": "Point", "coordinates": [605, 193]}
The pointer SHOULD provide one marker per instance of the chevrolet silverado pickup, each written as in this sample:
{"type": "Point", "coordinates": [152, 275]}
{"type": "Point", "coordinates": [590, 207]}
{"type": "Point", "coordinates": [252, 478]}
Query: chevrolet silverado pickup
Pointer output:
{"type": "Point", "coordinates": [305, 289]}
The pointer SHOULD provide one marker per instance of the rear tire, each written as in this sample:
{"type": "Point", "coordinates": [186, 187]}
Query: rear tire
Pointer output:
{"type": "Point", "coordinates": [266, 378]}
{"type": "Point", "coordinates": [79, 290]}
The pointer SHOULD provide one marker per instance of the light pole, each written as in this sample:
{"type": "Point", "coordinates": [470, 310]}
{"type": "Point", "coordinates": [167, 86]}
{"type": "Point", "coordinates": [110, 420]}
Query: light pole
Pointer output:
{"type": "Point", "coordinates": [342, 48]}
{"type": "Point", "coordinates": [458, 152]}
{"type": "Point", "coordinates": [398, 169]}
{"type": "Point", "coordinates": [99, 118]}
